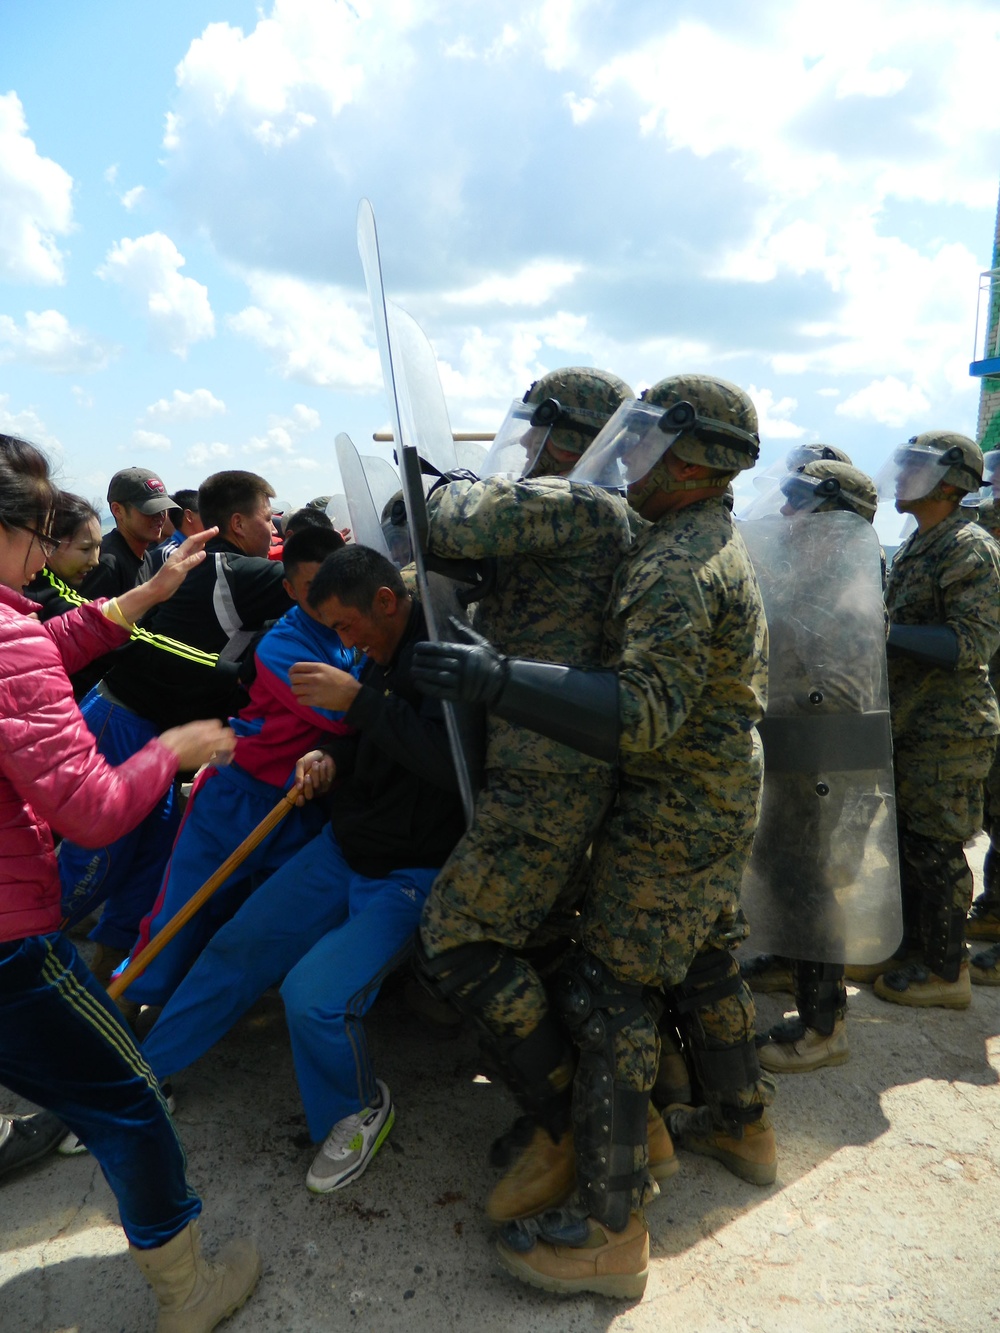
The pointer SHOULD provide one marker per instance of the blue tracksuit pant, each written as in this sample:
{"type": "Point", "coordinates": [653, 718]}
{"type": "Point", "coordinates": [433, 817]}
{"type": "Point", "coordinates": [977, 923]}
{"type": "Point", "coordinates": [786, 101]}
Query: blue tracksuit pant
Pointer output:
{"type": "Point", "coordinates": [125, 875]}
{"type": "Point", "coordinates": [63, 1046]}
{"type": "Point", "coordinates": [334, 935]}
{"type": "Point", "coordinates": [226, 805]}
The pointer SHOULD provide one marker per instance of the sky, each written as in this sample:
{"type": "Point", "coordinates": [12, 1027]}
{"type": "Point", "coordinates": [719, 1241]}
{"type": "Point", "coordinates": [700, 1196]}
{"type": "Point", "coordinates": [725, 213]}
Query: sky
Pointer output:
{"type": "Point", "coordinates": [798, 198]}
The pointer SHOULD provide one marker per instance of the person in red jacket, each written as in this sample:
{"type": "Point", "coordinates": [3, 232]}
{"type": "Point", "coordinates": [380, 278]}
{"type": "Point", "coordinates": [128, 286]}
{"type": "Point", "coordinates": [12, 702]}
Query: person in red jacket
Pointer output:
{"type": "Point", "coordinates": [62, 1044]}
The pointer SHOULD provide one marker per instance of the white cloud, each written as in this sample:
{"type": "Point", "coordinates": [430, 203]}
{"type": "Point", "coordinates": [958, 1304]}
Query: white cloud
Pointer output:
{"type": "Point", "coordinates": [182, 406]}
{"type": "Point", "coordinates": [774, 415]}
{"type": "Point", "coordinates": [208, 453]}
{"type": "Point", "coordinates": [580, 108]}
{"type": "Point", "coordinates": [36, 203]}
{"type": "Point", "coordinates": [47, 340]}
{"type": "Point", "coordinates": [283, 432]}
{"type": "Point", "coordinates": [533, 285]}
{"type": "Point", "coordinates": [150, 439]}
{"type": "Point", "coordinates": [888, 401]}
{"type": "Point", "coordinates": [148, 267]}
{"type": "Point", "coordinates": [314, 332]}
{"type": "Point", "coordinates": [28, 425]}
{"type": "Point", "coordinates": [131, 197]}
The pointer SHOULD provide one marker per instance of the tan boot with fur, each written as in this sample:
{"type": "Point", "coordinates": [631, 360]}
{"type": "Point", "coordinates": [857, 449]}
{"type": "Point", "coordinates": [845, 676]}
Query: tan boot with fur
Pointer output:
{"type": "Point", "coordinates": [195, 1295]}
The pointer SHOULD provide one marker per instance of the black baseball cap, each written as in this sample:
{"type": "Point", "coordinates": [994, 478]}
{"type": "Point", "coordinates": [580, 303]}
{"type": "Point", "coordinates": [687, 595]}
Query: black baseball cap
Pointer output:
{"type": "Point", "coordinates": [142, 489]}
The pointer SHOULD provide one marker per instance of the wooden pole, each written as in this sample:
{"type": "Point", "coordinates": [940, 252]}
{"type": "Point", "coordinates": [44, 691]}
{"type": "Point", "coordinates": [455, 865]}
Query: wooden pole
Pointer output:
{"type": "Point", "coordinates": [160, 941]}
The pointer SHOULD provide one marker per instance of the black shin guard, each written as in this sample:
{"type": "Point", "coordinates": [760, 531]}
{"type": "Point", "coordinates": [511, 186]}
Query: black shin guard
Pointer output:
{"type": "Point", "coordinates": [609, 1117]}
{"type": "Point", "coordinates": [820, 994]}
{"type": "Point", "coordinates": [728, 1072]}
{"type": "Point", "coordinates": [537, 1067]}
{"type": "Point", "coordinates": [945, 881]}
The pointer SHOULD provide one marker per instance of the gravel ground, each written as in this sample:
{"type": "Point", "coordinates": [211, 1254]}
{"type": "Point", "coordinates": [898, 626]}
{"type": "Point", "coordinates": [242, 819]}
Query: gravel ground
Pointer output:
{"type": "Point", "coordinates": [883, 1217]}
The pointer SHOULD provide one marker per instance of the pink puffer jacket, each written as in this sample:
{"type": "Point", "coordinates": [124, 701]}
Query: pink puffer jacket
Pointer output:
{"type": "Point", "coordinates": [51, 775]}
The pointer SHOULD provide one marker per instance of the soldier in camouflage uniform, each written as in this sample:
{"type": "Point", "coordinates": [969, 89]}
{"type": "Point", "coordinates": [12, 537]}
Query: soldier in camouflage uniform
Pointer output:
{"type": "Point", "coordinates": [555, 546]}
{"type": "Point", "coordinates": [816, 1036]}
{"type": "Point", "coordinates": [943, 598]}
{"type": "Point", "coordinates": [686, 644]}
{"type": "Point", "coordinates": [984, 919]}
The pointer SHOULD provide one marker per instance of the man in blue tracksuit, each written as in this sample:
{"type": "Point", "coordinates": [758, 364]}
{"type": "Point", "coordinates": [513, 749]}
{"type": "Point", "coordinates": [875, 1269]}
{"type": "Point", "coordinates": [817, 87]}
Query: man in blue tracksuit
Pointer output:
{"type": "Point", "coordinates": [342, 913]}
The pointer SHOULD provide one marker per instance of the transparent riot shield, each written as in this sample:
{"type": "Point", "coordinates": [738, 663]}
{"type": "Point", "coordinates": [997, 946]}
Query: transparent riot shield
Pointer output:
{"type": "Point", "coordinates": [823, 879]}
{"type": "Point", "coordinates": [422, 430]}
{"type": "Point", "coordinates": [366, 529]}
{"type": "Point", "coordinates": [382, 478]}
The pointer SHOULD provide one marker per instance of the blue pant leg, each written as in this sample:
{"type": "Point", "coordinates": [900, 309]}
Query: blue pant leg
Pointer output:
{"type": "Point", "coordinates": [327, 994]}
{"type": "Point", "coordinates": [63, 1046]}
{"type": "Point", "coordinates": [274, 928]}
{"type": "Point", "coordinates": [219, 816]}
{"type": "Point", "coordinates": [131, 895]}
{"type": "Point", "coordinates": [90, 874]}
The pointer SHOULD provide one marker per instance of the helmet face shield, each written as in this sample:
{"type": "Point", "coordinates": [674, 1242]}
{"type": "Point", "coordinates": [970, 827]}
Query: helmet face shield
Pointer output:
{"type": "Point", "coordinates": [912, 473]}
{"type": "Point", "coordinates": [631, 443]}
{"type": "Point", "coordinates": [518, 442]}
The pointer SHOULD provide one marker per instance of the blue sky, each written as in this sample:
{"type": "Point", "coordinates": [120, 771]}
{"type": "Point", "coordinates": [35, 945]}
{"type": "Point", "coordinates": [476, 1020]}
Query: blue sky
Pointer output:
{"type": "Point", "coordinates": [797, 198]}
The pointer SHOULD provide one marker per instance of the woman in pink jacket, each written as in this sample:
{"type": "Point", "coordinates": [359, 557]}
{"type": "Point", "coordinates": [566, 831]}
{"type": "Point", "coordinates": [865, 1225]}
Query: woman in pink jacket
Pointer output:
{"type": "Point", "coordinates": [62, 1043]}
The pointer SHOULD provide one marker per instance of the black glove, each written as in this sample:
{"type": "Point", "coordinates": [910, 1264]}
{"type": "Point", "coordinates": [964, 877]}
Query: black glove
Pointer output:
{"type": "Point", "coordinates": [446, 478]}
{"type": "Point", "coordinates": [472, 673]}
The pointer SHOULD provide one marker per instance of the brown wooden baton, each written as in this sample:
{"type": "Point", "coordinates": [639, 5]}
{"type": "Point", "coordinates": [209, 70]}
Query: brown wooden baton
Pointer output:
{"type": "Point", "coordinates": [180, 919]}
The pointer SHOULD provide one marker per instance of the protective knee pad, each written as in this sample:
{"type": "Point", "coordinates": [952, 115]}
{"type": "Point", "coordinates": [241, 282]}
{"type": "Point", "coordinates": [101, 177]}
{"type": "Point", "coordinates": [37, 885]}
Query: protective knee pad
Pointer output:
{"type": "Point", "coordinates": [820, 994]}
{"type": "Point", "coordinates": [538, 1067]}
{"type": "Point", "coordinates": [717, 1016]}
{"type": "Point", "coordinates": [945, 883]}
{"type": "Point", "coordinates": [611, 1091]}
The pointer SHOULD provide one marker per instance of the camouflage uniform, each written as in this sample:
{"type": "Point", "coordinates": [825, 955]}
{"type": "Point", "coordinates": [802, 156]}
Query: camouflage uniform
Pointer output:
{"type": "Point", "coordinates": [944, 726]}
{"type": "Point", "coordinates": [990, 520]}
{"type": "Point", "coordinates": [557, 547]}
{"type": "Point", "coordinates": [686, 630]}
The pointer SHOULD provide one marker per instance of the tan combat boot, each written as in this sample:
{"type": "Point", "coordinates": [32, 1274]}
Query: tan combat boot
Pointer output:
{"type": "Point", "coordinates": [813, 1050]}
{"type": "Point", "coordinates": [543, 1176]}
{"type": "Point", "coordinates": [195, 1295]}
{"type": "Point", "coordinates": [918, 986]}
{"type": "Point", "coordinates": [753, 1158]}
{"type": "Point", "coordinates": [610, 1263]}
{"type": "Point", "coordinates": [663, 1161]}
{"type": "Point", "coordinates": [985, 968]}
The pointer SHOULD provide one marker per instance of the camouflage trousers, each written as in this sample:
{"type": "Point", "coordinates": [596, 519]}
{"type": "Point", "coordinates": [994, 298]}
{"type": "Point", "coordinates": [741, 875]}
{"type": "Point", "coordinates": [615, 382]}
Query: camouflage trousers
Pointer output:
{"type": "Point", "coordinates": [657, 918]}
{"type": "Point", "coordinates": [518, 864]}
{"type": "Point", "coordinates": [939, 806]}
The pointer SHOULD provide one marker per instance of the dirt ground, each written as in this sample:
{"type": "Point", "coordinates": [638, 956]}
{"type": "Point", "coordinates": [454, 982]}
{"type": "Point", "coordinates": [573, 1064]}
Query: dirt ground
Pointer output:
{"type": "Point", "coordinates": [884, 1216]}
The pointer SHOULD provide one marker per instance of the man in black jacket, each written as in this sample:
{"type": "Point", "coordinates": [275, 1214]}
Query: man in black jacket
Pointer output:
{"type": "Point", "coordinates": [177, 668]}
{"type": "Point", "coordinates": [139, 501]}
{"type": "Point", "coordinates": [341, 915]}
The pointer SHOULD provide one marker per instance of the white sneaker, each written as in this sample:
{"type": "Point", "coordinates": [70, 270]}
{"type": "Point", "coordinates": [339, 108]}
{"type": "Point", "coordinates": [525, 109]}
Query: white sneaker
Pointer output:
{"type": "Point", "coordinates": [351, 1145]}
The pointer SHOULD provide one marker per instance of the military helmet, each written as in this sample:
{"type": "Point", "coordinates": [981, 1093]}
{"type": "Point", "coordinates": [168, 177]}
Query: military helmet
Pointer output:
{"type": "Point", "coordinates": [958, 460]}
{"type": "Point", "coordinates": [723, 433]}
{"type": "Point", "coordinates": [809, 453]}
{"type": "Point", "coordinates": [827, 484]}
{"type": "Point", "coordinates": [575, 403]}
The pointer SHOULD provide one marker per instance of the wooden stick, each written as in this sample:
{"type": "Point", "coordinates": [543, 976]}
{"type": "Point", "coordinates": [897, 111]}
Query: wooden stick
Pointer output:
{"type": "Point", "coordinates": [180, 919]}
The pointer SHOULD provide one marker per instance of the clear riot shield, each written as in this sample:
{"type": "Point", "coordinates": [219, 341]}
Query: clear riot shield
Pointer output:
{"type": "Point", "coordinates": [422, 430]}
{"type": "Point", "coordinates": [823, 879]}
{"type": "Point", "coordinates": [366, 529]}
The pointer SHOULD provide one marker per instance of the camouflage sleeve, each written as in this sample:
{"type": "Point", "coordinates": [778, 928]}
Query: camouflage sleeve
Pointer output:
{"type": "Point", "coordinates": [665, 656]}
{"type": "Point", "coordinates": [970, 587]}
{"type": "Point", "coordinates": [473, 520]}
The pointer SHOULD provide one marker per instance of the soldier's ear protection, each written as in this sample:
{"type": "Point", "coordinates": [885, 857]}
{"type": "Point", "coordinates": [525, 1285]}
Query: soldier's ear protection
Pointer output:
{"type": "Point", "coordinates": [550, 413]}
{"type": "Point", "coordinates": [684, 416]}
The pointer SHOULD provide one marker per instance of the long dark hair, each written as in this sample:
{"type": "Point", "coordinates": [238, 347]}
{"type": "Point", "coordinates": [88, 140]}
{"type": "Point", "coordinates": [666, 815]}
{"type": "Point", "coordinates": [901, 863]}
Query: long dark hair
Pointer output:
{"type": "Point", "coordinates": [70, 512]}
{"type": "Point", "coordinates": [27, 495]}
